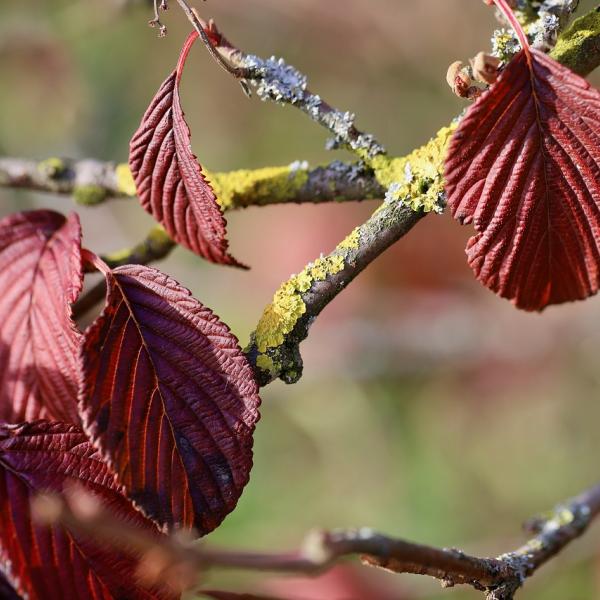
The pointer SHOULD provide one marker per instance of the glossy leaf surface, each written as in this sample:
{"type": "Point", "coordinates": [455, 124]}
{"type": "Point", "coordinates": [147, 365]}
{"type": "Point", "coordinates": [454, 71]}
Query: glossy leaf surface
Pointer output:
{"type": "Point", "coordinates": [40, 277]}
{"type": "Point", "coordinates": [169, 180]}
{"type": "Point", "coordinates": [523, 167]}
{"type": "Point", "coordinates": [170, 399]}
{"type": "Point", "coordinates": [51, 563]}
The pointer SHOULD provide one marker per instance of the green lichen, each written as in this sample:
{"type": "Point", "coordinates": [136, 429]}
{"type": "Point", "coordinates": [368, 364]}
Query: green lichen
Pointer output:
{"type": "Point", "coordinates": [416, 180]}
{"type": "Point", "coordinates": [125, 182]}
{"type": "Point", "coordinates": [578, 47]}
{"type": "Point", "coordinates": [269, 185]}
{"type": "Point", "coordinates": [281, 316]}
{"type": "Point", "coordinates": [52, 167]}
{"type": "Point", "coordinates": [89, 195]}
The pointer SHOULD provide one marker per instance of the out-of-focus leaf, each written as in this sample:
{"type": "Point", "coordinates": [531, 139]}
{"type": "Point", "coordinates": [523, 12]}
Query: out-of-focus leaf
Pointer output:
{"type": "Point", "coordinates": [169, 398]}
{"type": "Point", "coordinates": [169, 180]}
{"type": "Point", "coordinates": [523, 167]}
{"type": "Point", "coordinates": [40, 277]}
{"type": "Point", "coordinates": [49, 562]}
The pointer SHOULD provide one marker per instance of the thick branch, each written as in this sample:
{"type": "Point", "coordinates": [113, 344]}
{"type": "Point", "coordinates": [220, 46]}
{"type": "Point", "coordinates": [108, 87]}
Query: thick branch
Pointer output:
{"type": "Point", "coordinates": [274, 348]}
{"type": "Point", "coordinates": [415, 181]}
{"type": "Point", "coordinates": [498, 577]}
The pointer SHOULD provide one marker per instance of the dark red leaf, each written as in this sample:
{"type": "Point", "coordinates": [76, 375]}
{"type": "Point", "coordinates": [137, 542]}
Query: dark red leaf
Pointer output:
{"type": "Point", "coordinates": [523, 167]}
{"type": "Point", "coordinates": [51, 563]}
{"type": "Point", "coordinates": [169, 180]}
{"type": "Point", "coordinates": [169, 398]}
{"type": "Point", "coordinates": [40, 276]}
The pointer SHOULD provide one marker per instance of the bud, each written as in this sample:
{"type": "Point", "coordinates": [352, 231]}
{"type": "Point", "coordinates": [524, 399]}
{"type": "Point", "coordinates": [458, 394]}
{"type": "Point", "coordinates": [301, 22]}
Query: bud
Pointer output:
{"type": "Point", "coordinates": [485, 67]}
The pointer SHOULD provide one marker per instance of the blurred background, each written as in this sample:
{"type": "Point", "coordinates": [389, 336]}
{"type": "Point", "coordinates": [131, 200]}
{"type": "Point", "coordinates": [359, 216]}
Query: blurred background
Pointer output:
{"type": "Point", "coordinates": [429, 408]}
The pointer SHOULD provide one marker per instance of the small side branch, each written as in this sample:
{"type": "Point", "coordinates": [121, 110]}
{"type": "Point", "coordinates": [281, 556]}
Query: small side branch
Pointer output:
{"type": "Point", "coordinates": [498, 577]}
{"type": "Point", "coordinates": [279, 82]}
{"type": "Point", "coordinates": [156, 246]}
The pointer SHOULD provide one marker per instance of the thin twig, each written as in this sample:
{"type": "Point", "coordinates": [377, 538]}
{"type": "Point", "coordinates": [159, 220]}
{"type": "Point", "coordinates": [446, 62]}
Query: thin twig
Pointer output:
{"type": "Point", "coordinates": [239, 72]}
{"type": "Point", "coordinates": [279, 82]}
{"type": "Point", "coordinates": [498, 577]}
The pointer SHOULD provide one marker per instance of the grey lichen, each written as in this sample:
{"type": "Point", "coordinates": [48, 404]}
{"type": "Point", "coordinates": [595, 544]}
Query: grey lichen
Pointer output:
{"type": "Point", "coordinates": [542, 20]}
{"type": "Point", "coordinates": [273, 79]}
{"type": "Point", "coordinates": [505, 44]}
{"type": "Point", "coordinates": [553, 16]}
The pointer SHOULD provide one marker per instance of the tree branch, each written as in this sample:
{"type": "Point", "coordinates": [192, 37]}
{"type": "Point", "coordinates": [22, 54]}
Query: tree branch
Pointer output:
{"type": "Point", "coordinates": [92, 182]}
{"type": "Point", "coordinates": [414, 187]}
{"type": "Point", "coordinates": [498, 577]}
{"type": "Point", "coordinates": [414, 182]}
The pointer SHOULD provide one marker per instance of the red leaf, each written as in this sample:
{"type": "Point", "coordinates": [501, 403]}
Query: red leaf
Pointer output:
{"type": "Point", "coordinates": [523, 166]}
{"type": "Point", "coordinates": [51, 562]}
{"type": "Point", "coordinates": [40, 276]}
{"type": "Point", "coordinates": [169, 179]}
{"type": "Point", "coordinates": [169, 398]}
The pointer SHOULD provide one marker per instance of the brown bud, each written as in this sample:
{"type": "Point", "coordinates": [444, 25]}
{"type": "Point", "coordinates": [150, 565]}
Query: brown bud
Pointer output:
{"type": "Point", "coordinates": [485, 67]}
{"type": "Point", "coordinates": [457, 79]}
{"type": "Point", "coordinates": [460, 81]}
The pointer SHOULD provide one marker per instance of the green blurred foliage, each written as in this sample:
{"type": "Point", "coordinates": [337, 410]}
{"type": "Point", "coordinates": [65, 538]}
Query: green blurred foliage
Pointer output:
{"type": "Point", "coordinates": [429, 409]}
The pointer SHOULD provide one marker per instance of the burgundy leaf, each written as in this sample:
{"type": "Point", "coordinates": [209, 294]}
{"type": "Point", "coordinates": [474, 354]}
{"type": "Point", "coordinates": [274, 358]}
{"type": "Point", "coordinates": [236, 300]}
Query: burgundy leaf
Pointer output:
{"type": "Point", "coordinates": [50, 562]}
{"type": "Point", "coordinates": [169, 180]}
{"type": "Point", "coordinates": [40, 277]}
{"type": "Point", "coordinates": [523, 167]}
{"type": "Point", "coordinates": [169, 398]}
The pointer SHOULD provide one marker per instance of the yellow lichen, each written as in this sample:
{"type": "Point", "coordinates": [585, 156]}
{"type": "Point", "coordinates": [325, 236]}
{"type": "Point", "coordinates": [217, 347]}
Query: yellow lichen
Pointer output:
{"type": "Point", "coordinates": [269, 185]}
{"type": "Point", "coordinates": [351, 242]}
{"type": "Point", "coordinates": [125, 182]}
{"type": "Point", "coordinates": [281, 316]}
{"type": "Point", "coordinates": [417, 180]}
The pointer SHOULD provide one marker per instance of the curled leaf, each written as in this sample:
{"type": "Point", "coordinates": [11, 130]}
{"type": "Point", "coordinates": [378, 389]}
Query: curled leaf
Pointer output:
{"type": "Point", "coordinates": [169, 180]}
{"type": "Point", "coordinates": [169, 398]}
{"type": "Point", "coordinates": [50, 562]}
{"type": "Point", "coordinates": [523, 167]}
{"type": "Point", "coordinates": [40, 277]}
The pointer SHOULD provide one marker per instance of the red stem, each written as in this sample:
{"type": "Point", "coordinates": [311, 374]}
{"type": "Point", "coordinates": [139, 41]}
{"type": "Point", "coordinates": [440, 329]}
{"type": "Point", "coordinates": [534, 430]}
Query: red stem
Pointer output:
{"type": "Point", "coordinates": [510, 15]}
{"type": "Point", "coordinates": [187, 46]}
